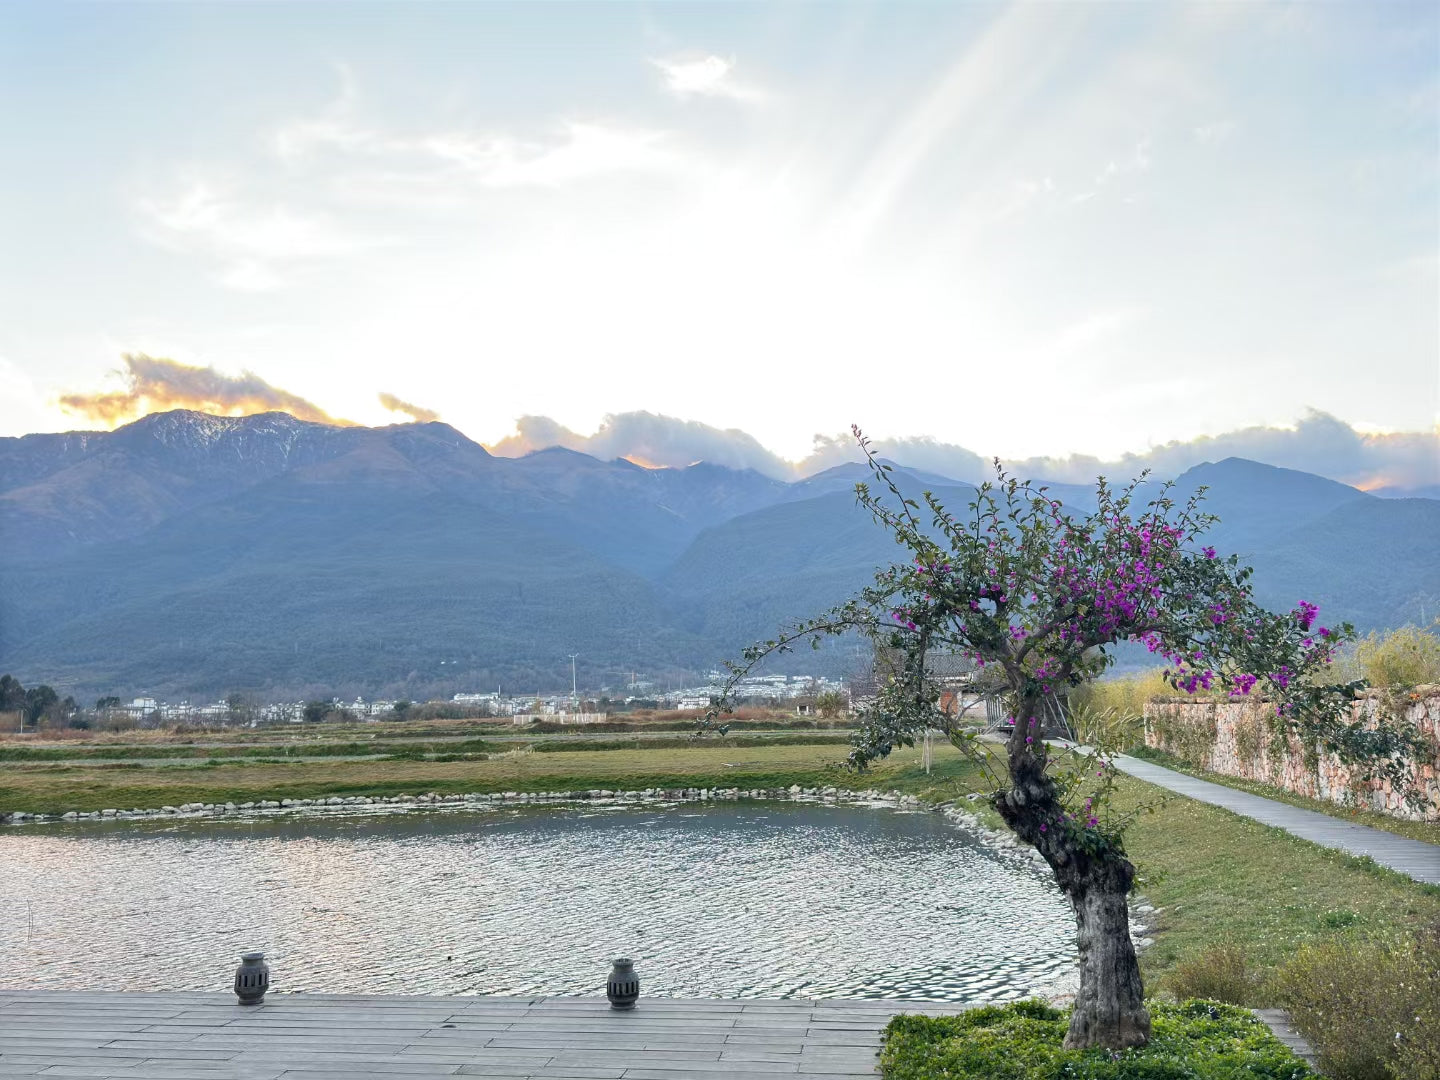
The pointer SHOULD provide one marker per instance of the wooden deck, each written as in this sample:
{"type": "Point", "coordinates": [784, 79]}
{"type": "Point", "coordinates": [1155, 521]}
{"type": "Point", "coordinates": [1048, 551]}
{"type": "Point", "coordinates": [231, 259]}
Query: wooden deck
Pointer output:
{"type": "Point", "coordinates": [203, 1036]}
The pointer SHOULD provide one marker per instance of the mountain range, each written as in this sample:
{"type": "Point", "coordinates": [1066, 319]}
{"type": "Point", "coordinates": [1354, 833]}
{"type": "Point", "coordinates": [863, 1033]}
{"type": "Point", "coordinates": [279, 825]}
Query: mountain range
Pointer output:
{"type": "Point", "coordinates": [195, 555]}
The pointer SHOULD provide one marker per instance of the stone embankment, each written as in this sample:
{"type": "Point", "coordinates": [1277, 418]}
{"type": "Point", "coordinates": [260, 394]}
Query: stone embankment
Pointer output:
{"type": "Point", "coordinates": [223, 809]}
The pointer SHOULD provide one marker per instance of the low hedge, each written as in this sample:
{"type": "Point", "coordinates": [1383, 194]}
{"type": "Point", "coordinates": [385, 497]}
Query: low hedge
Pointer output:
{"type": "Point", "coordinates": [1196, 1040]}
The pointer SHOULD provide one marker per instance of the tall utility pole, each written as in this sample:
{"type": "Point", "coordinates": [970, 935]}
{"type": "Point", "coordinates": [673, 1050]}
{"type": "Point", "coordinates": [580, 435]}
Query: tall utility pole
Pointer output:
{"type": "Point", "coordinates": [574, 688]}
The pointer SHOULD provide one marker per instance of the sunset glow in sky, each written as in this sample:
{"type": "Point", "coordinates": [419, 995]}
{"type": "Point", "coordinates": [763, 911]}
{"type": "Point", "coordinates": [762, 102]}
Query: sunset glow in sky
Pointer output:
{"type": "Point", "coordinates": [1028, 230]}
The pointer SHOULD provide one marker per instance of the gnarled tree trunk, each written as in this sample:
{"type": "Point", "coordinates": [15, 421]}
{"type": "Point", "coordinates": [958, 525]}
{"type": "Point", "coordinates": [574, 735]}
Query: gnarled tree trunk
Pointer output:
{"type": "Point", "coordinates": [1110, 1007]}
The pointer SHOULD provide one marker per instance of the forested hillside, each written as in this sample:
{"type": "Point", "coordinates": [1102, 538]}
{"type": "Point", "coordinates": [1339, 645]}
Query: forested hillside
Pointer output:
{"type": "Point", "coordinates": [194, 555]}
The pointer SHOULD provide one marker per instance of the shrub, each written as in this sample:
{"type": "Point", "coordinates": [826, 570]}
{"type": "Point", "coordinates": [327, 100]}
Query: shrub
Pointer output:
{"type": "Point", "coordinates": [1219, 973]}
{"type": "Point", "coordinates": [1198, 1040]}
{"type": "Point", "coordinates": [1111, 712]}
{"type": "Point", "coordinates": [1109, 729]}
{"type": "Point", "coordinates": [1126, 694]}
{"type": "Point", "coordinates": [1369, 1006]}
{"type": "Point", "coordinates": [1404, 657]}
{"type": "Point", "coordinates": [1189, 738]}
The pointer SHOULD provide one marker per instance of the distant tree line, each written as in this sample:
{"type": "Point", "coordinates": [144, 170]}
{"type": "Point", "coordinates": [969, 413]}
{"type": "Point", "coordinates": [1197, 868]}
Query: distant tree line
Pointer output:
{"type": "Point", "coordinates": [37, 705]}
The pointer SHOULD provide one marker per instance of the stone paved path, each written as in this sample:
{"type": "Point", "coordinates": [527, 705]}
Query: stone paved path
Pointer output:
{"type": "Point", "coordinates": [1278, 1021]}
{"type": "Point", "coordinates": [1414, 857]}
{"type": "Point", "coordinates": [200, 1036]}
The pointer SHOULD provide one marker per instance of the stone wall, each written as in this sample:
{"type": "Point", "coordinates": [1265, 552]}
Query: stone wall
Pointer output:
{"type": "Point", "coordinates": [1243, 739]}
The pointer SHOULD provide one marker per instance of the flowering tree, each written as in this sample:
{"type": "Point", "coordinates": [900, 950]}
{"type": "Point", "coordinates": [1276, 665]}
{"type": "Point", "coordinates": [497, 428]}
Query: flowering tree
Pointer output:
{"type": "Point", "coordinates": [1040, 596]}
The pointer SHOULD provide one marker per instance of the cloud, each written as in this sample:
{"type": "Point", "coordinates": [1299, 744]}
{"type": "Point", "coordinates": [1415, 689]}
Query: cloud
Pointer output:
{"type": "Point", "coordinates": [154, 384]}
{"type": "Point", "coordinates": [1213, 134]}
{"type": "Point", "coordinates": [25, 405]}
{"type": "Point", "coordinates": [1138, 161]}
{"type": "Point", "coordinates": [1093, 328]}
{"type": "Point", "coordinates": [253, 242]}
{"type": "Point", "coordinates": [665, 441]}
{"type": "Point", "coordinates": [337, 139]}
{"type": "Point", "coordinates": [330, 185]}
{"type": "Point", "coordinates": [649, 438]}
{"type": "Point", "coordinates": [695, 75]}
{"type": "Point", "coordinates": [916, 452]}
{"type": "Point", "coordinates": [977, 107]}
{"type": "Point", "coordinates": [418, 413]}
{"type": "Point", "coordinates": [580, 152]}
{"type": "Point", "coordinates": [565, 152]}
{"type": "Point", "coordinates": [1318, 443]}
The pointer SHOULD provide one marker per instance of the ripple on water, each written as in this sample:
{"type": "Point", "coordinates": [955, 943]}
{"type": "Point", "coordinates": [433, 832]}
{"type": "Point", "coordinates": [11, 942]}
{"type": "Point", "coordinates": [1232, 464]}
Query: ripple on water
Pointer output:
{"type": "Point", "coordinates": [712, 900]}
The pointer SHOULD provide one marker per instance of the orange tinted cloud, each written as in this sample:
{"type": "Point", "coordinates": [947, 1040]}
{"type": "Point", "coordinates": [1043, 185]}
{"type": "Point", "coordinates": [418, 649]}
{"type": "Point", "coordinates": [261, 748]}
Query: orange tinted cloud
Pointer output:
{"type": "Point", "coordinates": [418, 413]}
{"type": "Point", "coordinates": [155, 384]}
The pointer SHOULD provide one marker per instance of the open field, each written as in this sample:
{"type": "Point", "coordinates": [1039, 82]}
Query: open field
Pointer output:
{"type": "Point", "coordinates": [121, 785]}
{"type": "Point", "coordinates": [441, 748]}
{"type": "Point", "coordinates": [1214, 877]}
{"type": "Point", "coordinates": [283, 734]}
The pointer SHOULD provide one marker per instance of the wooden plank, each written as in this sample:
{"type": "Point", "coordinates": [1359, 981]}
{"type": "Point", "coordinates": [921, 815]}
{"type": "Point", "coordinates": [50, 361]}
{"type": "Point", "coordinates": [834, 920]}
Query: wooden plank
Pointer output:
{"type": "Point", "coordinates": [322, 1037]}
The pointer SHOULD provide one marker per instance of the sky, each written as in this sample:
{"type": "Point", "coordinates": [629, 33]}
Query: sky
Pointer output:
{"type": "Point", "coordinates": [1033, 231]}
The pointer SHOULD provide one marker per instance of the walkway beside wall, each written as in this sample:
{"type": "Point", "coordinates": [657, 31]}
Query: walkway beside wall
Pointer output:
{"type": "Point", "coordinates": [1419, 860]}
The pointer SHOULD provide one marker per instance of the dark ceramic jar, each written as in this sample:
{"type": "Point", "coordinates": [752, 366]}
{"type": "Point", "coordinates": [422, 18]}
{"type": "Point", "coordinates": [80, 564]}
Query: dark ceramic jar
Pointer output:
{"type": "Point", "coordinates": [623, 986]}
{"type": "Point", "coordinates": [252, 978]}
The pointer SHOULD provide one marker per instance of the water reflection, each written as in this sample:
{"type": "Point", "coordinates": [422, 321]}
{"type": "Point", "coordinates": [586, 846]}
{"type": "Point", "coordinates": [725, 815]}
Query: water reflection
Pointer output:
{"type": "Point", "coordinates": [727, 900]}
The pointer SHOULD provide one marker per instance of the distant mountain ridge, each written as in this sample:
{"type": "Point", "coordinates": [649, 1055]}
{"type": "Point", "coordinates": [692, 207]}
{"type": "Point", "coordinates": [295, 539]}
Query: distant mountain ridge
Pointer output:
{"type": "Point", "coordinates": [189, 554]}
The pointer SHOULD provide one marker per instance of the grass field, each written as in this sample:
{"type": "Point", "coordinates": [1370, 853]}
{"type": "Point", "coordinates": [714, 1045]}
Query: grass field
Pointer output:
{"type": "Point", "coordinates": [76, 739]}
{"type": "Point", "coordinates": [434, 747]}
{"type": "Point", "coordinates": [52, 789]}
{"type": "Point", "coordinates": [1214, 877]}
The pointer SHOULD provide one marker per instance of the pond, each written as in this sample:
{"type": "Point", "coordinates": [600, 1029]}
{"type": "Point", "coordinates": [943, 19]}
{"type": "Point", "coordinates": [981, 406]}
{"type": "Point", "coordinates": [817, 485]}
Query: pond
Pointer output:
{"type": "Point", "coordinates": [711, 899]}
